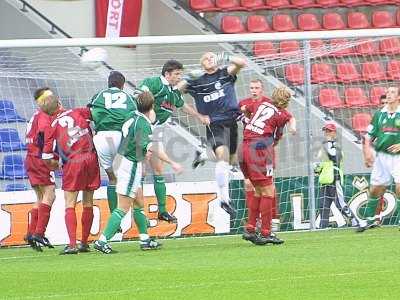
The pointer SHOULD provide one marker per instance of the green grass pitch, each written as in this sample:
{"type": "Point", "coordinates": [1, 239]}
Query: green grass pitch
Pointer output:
{"type": "Point", "coordinates": [334, 264]}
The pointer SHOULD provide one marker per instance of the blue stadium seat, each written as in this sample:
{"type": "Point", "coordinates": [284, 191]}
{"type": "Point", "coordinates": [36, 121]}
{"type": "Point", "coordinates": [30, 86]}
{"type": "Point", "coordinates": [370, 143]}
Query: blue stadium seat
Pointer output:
{"type": "Point", "coordinates": [10, 141]}
{"type": "Point", "coordinates": [13, 167]}
{"type": "Point", "coordinates": [13, 187]}
{"type": "Point", "coordinates": [8, 113]}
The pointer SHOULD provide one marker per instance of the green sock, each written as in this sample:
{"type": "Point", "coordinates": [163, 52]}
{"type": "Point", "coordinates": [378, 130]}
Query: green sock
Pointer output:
{"type": "Point", "coordinates": [112, 197]}
{"type": "Point", "coordinates": [114, 223]}
{"type": "Point", "coordinates": [140, 220]}
{"type": "Point", "coordinates": [370, 209]}
{"type": "Point", "coordinates": [161, 192]}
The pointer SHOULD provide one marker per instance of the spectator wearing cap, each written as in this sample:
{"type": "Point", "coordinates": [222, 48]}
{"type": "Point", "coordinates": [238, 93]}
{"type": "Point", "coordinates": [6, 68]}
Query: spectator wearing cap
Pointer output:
{"type": "Point", "coordinates": [329, 170]}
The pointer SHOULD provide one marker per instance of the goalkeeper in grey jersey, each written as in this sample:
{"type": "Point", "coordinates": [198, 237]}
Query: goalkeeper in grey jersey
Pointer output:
{"type": "Point", "coordinates": [330, 173]}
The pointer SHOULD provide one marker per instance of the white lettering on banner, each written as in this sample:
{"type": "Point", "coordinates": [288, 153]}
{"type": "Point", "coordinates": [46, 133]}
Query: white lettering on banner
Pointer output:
{"type": "Point", "coordinates": [297, 204]}
{"type": "Point", "coordinates": [114, 18]}
{"type": "Point", "coordinates": [214, 96]}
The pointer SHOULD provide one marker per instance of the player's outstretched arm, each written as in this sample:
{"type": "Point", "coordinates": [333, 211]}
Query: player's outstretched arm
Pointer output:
{"type": "Point", "coordinates": [165, 158]}
{"type": "Point", "coordinates": [194, 113]}
{"type": "Point", "coordinates": [236, 64]}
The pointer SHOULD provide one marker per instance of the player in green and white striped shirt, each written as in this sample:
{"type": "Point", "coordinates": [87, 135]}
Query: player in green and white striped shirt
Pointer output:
{"type": "Point", "coordinates": [384, 136]}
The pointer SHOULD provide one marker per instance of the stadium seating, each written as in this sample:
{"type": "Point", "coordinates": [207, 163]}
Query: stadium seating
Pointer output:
{"type": "Point", "coordinates": [343, 47]}
{"type": "Point", "coordinates": [389, 46]}
{"type": "Point", "coordinates": [261, 48]}
{"type": "Point", "coordinates": [282, 22]}
{"type": "Point", "coordinates": [322, 73]}
{"type": "Point", "coordinates": [278, 4]}
{"type": "Point", "coordinates": [308, 22]}
{"type": "Point", "coordinates": [253, 4]}
{"type": "Point", "coordinates": [327, 3]}
{"type": "Point", "coordinates": [333, 21]}
{"type": "Point", "coordinates": [228, 5]}
{"type": "Point", "coordinates": [289, 46]}
{"type": "Point", "coordinates": [393, 70]}
{"type": "Point", "coordinates": [347, 72]}
{"type": "Point", "coordinates": [257, 23]}
{"type": "Point", "coordinates": [366, 47]}
{"type": "Point", "coordinates": [383, 19]}
{"type": "Point", "coordinates": [330, 98]}
{"type": "Point", "coordinates": [202, 5]}
{"type": "Point", "coordinates": [232, 24]}
{"type": "Point", "coordinates": [10, 141]}
{"type": "Point", "coordinates": [8, 113]}
{"type": "Point", "coordinates": [375, 95]}
{"type": "Point", "coordinates": [351, 3]}
{"type": "Point", "coordinates": [13, 167]}
{"type": "Point", "coordinates": [14, 187]}
{"type": "Point", "coordinates": [303, 3]}
{"type": "Point", "coordinates": [357, 20]}
{"type": "Point", "coordinates": [360, 122]}
{"type": "Point", "coordinates": [294, 73]}
{"type": "Point", "coordinates": [355, 97]}
{"type": "Point", "coordinates": [373, 71]}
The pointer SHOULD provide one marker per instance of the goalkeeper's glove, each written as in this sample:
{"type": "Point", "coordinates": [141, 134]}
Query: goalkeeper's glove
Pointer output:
{"type": "Point", "coordinates": [317, 168]}
{"type": "Point", "coordinates": [193, 75]}
{"type": "Point", "coordinates": [221, 58]}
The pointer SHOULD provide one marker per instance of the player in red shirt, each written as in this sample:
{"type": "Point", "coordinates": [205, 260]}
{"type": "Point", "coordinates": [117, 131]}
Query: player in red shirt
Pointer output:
{"type": "Point", "coordinates": [70, 131]}
{"type": "Point", "coordinates": [40, 175]}
{"type": "Point", "coordinates": [263, 130]}
{"type": "Point", "coordinates": [257, 96]}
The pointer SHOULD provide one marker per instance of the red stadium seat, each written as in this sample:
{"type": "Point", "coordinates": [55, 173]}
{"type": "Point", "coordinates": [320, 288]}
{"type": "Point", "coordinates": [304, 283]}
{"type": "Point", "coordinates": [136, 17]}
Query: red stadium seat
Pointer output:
{"type": "Point", "coordinates": [261, 48]}
{"type": "Point", "coordinates": [330, 98]}
{"type": "Point", "coordinates": [317, 44]}
{"type": "Point", "coordinates": [257, 24]}
{"type": "Point", "coordinates": [383, 19]}
{"type": "Point", "coordinates": [355, 97]}
{"type": "Point", "coordinates": [347, 72]}
{"type": "Point", "coordinates": [360, 122]}
{"type": "Point", "coordinates": [294, 73]}
{"type": "Point", "coordinates": [389, 46]}
{"type": "Point", "coordinates": [232, 24]}
{"type": "Point", "coordinates": [322, 73]}
{"type": "Point", "coordinates": [380, 2]}
{"type": "Point", "coordinates": [253, 4]}
{"type": "Point", "coordinates": [202, 5]}
{"type": "Point", "coordinates": [375, 95]}
{"type": "Point", "coordinates": [357, 20]}
{"type": "Point", "coordinates": [393, 69]}
{"type": "Point", "coordinates": [333, 21]}
{"type": "Point", "coordinates": [398, 16]}
{"type": "Point", "coordinates": [289, 46]}
{"type": "Point", "coordinates": [327, 3]}
{"type": "Point", "coordinates": [303, 3]}
{"type": "Point", "coordinates": [351, 3]}
{"type": "Point", "coordinates": [307, 22]}
{"type": "Point", "coordinates": [366, 47]}
{"type": "Point", "coordinates": [278, 4]}
{"type": "Point", "coordinates": [373, 71]}
{"type": "Point", "coordinates": [228, 5]}
{"type": "Point", "coordinates": [283, 23]}
{"type": "Point", "coordinates": [343, 46]}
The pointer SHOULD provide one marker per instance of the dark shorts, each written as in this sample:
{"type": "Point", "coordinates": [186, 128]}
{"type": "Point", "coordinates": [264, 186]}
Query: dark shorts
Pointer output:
{"type": "Point", "coordinates": [223, 133]}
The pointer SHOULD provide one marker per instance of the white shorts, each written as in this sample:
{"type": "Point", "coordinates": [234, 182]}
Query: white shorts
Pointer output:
{"type": "Point", "coordinates": [106, 144]}
{"type": "Point", "coordinates": [386, 167]}
{"type": "Point", "coordinates": [129, 176]}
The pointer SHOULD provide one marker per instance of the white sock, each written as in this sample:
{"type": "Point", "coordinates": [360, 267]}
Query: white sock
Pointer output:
{"type": "Point", "coordinates": [143, 236]}
{"type": "Point", "coordinates": [222, 179]}
{"type": "Point", "coordinates": [103, 238]}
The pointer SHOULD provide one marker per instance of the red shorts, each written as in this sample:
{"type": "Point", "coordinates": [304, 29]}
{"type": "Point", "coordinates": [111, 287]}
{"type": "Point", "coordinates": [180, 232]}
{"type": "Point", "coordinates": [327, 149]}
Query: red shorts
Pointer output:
{"type": "Point", "coordinates": [256, 162]}
{"type": "Point", "coordinates": [81, 173]}
{"type": "Point", "coordinates": [38, 172]}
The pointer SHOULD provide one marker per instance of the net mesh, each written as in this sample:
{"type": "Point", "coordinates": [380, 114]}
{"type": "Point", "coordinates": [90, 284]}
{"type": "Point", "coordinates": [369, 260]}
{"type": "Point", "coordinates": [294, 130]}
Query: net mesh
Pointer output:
{"type": "Point", "coordinates": [348, 76]}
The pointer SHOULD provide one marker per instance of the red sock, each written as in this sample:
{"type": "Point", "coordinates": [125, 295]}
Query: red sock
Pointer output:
{"type": "Point", "coordinates": [70, 221]}
{"type": "Point", "coordinates": [33, 221]}
{"type": "Point", "coordinates": [273, 207]}
{"type": "Point", "coordinates": [266, 215]}
{"type": "Point", "coordinates": [253, 210]}
{"type": "Point", "coordinates": [43, 219]}
{"type": "Point", "coordinates": [86, 220]}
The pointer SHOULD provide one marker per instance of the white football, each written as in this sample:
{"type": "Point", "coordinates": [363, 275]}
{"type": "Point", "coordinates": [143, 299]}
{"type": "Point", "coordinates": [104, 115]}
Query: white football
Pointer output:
{"type": "Point", "coordinates": [94, 57]}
